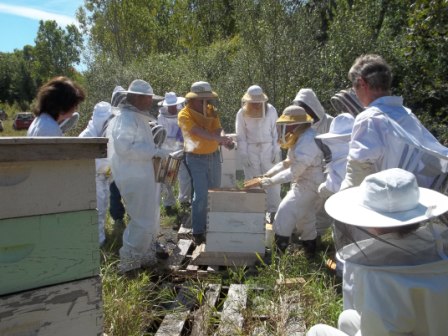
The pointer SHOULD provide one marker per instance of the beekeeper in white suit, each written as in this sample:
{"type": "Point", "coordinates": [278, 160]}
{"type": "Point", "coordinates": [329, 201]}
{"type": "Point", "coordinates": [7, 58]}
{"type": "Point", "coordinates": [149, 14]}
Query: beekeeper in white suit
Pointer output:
{"type": "Point", "coordinates": [376, 143]}
{"type": "Point", "coordinates": [131, 161]}
{"type": "Point", "coordinates": [96, 128]}
{"type": "Point", "coordinates": [307, 99]}
{"type": "Point", "coordinates": [257, 137]}
{"type": "Point", "coordinates": [174, 141]}
{"type": "Point", "coordinates": [396, 279]}
{"type": "Point", "coordinates": [303, 167]}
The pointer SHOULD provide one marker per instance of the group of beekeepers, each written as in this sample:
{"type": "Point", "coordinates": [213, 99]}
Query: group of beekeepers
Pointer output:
{"type": "Point", "coordinates": [321, 154]}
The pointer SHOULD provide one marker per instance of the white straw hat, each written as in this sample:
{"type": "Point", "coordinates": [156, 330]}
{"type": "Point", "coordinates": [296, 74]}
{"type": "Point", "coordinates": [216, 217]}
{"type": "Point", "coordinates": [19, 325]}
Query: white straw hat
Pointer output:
{"type": "Point", "coordinates": [255, 94]}
{"type": "Point", "coordinates": [140, 87]}
{"type": "Point", "coordinates": [341, 127]}
{"type": "Point", "coordinates": [389, 198]}
{"type": "Point", "coordinates": [294, 115]}
{"type": "Point", "coordinates": [171, 99]}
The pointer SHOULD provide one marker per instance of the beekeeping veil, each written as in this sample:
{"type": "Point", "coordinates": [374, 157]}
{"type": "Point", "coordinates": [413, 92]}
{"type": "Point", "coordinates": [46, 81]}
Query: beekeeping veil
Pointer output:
{"type": "Point", "coordinates": [203, 91]}
{"type": "Point", "coordinates": [254, 102]}
{"type": "Point", "coordinates": [345, 101]}
{"type": "Point", "coordinates": [291, 124]}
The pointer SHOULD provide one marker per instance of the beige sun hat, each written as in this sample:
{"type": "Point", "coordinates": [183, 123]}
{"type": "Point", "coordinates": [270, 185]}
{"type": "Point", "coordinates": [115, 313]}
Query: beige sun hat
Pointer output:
{"type": "Point", "coordinates": [390, 198]}
{"type": "Point", "coordinates": [340, 128]}
{"type": "Point", "coordinates": [294, 115]}
{"type": "Point", "coordinates": [254, 94]}
{"type": "Point", "coordinates": [201, 90]}
{"type": "Point", "coordinates": [140, 87]}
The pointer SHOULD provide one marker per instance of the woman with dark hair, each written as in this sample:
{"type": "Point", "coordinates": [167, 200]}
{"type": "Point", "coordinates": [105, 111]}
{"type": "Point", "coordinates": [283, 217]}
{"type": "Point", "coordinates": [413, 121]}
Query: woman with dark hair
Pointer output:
{"type": "Point", "coordinates": [396, 281]}
{"type": "Point", "coordinates": [56, 101]}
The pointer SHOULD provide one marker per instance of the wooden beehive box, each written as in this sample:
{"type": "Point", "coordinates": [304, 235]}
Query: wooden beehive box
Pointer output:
{"type": "Point", "coordinates": [228, 168]}
{"type": "Point", "coordinates": [48, 215]}
{"type": "Point", "coordinates": [236, 221]}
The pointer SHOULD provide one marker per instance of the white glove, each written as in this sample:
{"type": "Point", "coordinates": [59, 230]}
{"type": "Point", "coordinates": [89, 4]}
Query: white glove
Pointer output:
{"type": "Point", "coordinates": [266, 182]}
{"type": "Point", "coordinates": [323, 191]}
{"type": "Point", "coordinates": [162, 153]}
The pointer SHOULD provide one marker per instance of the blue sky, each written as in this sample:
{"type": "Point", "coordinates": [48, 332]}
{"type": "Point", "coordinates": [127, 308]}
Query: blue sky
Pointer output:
{"type": "Point", "coordinates": [19, 19]}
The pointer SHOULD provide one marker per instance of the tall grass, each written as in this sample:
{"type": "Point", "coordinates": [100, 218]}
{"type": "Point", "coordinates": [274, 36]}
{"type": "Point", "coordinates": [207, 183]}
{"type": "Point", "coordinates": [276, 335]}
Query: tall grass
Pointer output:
{"type": "Point", "coordinates": [136, 305]}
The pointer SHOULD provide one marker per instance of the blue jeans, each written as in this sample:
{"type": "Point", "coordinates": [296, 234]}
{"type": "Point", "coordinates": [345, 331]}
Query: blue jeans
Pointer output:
{"type": "Point", "coordinates": [205, 170]}
{"type": "Point", "coordinates": [116, 207]}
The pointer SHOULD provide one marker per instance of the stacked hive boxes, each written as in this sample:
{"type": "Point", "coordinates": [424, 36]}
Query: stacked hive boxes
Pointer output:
{"type": "Point", "coordinates": [49, 250]}
{"type": "Point", "coordinates": [236, 221]}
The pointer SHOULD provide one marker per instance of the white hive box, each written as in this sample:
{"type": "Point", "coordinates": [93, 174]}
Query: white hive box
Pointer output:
{"type": "Point", "coordinates": [236, 221]}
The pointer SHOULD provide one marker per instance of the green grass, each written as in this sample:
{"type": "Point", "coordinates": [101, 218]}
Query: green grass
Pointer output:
{"type": "Point", "coordinates": [135, 305]}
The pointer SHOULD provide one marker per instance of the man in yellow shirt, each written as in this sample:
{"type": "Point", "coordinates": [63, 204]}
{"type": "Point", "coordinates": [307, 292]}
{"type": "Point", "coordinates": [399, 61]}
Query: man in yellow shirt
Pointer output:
{"type": "Point", "coordinates": [202, 134]}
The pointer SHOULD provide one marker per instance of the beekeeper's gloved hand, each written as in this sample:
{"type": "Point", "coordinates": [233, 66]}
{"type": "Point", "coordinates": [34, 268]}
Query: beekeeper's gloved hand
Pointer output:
{"type": "Point", "coordinates": [266, 182]}
{"type": "Point", "coordinates": [356, 172]}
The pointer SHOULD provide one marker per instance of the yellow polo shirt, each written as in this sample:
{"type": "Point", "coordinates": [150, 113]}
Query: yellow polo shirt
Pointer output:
{"type": "Point", "coordinates": [187, 119]}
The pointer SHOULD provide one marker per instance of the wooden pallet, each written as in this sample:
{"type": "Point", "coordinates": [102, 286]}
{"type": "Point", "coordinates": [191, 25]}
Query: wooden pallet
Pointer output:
{"type": "Point", "coordinates": [222, 311]}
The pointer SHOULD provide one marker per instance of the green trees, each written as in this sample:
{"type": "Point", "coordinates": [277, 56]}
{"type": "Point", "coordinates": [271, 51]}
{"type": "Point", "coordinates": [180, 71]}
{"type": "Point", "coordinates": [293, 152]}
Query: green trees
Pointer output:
{"type": "Point", "coordinates": [55, 53]}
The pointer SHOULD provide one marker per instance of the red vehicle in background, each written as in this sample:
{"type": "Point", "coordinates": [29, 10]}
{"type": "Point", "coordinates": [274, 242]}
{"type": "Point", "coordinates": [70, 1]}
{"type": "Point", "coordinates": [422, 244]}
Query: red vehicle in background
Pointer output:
{"type": "Point", "coordinates": [22, 120]}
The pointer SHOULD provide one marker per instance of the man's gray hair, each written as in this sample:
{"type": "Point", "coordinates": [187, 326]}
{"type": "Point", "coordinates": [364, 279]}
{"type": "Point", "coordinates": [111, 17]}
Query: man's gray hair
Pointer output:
{"type": "Point", "coordinates": [374, 70]}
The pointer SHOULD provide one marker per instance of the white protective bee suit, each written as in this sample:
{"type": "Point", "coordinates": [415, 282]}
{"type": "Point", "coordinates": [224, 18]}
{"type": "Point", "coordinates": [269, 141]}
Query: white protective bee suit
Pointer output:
{"type": "Point", "coordinates": [309, 98]}
{"type": "Point", "coordinates": [303, 167]}
{"type": "Point", "coordinates": [96, 128]}
{"type": "Point", "coordinates": [173, 142]}
{"type": "Point", "coordinates": [393, 284]}
{"type": "Point", "coordinates": [257, 142]}
{"type": "Point", "coordinates": [133, 148]}
{"type": "Point", "coordinates": [382, 138]}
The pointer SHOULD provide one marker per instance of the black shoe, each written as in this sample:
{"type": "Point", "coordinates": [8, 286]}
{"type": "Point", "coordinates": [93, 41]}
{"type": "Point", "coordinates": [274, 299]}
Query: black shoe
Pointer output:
{"type": "Point", "coordinates": [170, 211]}
{"type": "Point", "coordinates": [309, 246]}
{"type": "Point", "coordinates": [199, 239]}
{"type": "Point", "coordinates": [271, 217]}
{"type": "Point", "coordinates": [161, 252]}
{"type": "Point", "coordinates": [281, 243]}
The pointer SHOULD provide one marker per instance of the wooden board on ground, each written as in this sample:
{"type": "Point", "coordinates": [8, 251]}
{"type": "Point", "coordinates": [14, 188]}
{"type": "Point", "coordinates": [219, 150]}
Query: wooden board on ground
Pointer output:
{"type": "Point", "coordinates": [201, 317]}
{"type": "Point", "coordinates": [202, 257]}
{"type": "Point", "coordinates": [231, 318]}
{"type": "Point", "coordinates": [173, 323]}
{"type": "Point", "coordinates": [184, 232]}
{"type": "Point", "coordinates": [69, 309]}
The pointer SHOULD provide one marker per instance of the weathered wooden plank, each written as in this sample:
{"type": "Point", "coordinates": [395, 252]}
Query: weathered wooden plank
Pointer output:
{"type": "Point", "coordinates": [232, 319]}
{"type": "Point", "coordinates": [69, 309]}
{"type": "Point", "coordinates": [179, 253]}
{"type": "Point", "coordinates": [203, 314]}
{"type": "Point", "coordinates": [174, 322]}
{"type": "Point", "coordinates": [202, 257]}
{"type": "Point", "coordinates": [253, 200]}
{"type": "Point", "coordinates": [48, 249]}
{"type": "Point", "coordinates": [295, 325]}
{"type": "Point", "coordinates": [235, 242]}
{"type": "Point", "coordinates": [46, 187]}
{"type": "Point", "coordinates": [248, 222]}
{"type": "Point", "coordinates": [13, 149]}
{"type": "Point", "coordinates": [184, 232]}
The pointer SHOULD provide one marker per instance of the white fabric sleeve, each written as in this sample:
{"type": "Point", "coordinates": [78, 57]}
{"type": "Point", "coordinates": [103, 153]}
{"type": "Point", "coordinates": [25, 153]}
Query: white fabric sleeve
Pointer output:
{"type": "Point", "coordinates": [282, 165]}
{"type": "Point", "coordinates": [284, 176]}
{"type": "Point", "coordinates": [356, 172]}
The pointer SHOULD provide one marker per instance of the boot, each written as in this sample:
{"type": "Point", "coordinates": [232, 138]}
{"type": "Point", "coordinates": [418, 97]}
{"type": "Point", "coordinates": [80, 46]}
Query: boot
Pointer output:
{"type": "Point", "coordinates": [281, 243]}
{"type": "Point", "coordinates": [310, 246]}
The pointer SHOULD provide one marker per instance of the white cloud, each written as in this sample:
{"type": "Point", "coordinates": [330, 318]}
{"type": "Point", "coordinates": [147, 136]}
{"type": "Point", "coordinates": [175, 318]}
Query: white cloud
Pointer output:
{"type": "Point", "coordinates": [36, 14]}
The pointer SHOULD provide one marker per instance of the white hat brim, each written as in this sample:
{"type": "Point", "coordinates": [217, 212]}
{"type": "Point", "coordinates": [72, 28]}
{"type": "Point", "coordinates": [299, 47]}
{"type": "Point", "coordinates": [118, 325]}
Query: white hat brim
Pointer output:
{"type": "Point", "coordinates": [139, 93]}
{"type": "Point", "coordinates": [178, 101]}
{"type": "Point", "coordinates": [333, 136]}
{"type": "Point", "coordinates": [344, 206]}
